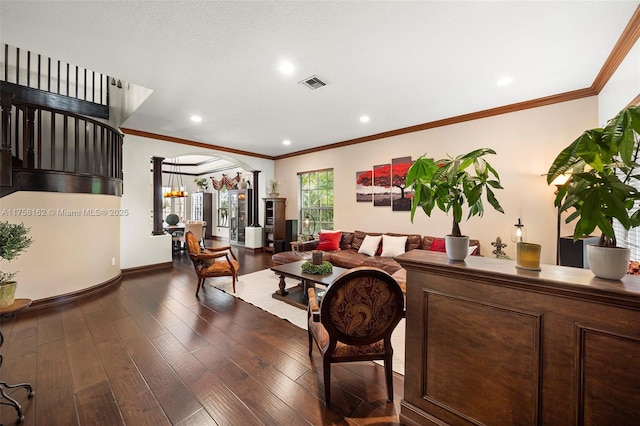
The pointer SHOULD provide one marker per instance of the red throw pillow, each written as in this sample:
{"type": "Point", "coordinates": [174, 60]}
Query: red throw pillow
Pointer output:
{"type": "Point", "coordinates": [437, 245]}
{"type": "Point", "coordinates": [329, 241]}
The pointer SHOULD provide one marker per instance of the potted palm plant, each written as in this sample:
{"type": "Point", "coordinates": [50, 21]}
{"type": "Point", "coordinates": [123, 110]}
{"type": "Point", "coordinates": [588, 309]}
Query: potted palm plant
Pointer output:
{"type": "Point", "coordinates": [602, 186]}
{"type": "Point", "coordinates": [274, 185]}
{"type": "Point", "coordinates": [453, 184]}
{"type": "Point", "coordinates": [14, 240]}
{"type": "Point", "coordinates": [202, 184]}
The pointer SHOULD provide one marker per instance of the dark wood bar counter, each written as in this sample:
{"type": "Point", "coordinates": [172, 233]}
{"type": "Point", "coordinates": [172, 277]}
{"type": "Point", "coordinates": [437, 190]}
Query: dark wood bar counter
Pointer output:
{"type": "Point", "coordinates": [487, 343]}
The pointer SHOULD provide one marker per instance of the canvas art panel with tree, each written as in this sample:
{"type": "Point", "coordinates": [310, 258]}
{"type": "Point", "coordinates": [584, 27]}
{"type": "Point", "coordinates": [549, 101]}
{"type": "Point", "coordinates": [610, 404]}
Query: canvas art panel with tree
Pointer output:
{"type": "Point", "coordinates": [382, 185]}
{"type": "Point", "coordinates": [364, 183]}
{"type": "Point", "coordinates": [400, 196]}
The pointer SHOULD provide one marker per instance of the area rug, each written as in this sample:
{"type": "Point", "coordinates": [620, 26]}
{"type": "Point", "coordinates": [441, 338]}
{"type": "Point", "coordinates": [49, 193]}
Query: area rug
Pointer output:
{"type": "Point", "coordinates": [256, 288]}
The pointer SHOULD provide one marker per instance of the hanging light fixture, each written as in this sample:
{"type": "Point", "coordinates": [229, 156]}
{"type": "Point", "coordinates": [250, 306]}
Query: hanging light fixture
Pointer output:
{"type": "Point", "coordinates": [176, 187]}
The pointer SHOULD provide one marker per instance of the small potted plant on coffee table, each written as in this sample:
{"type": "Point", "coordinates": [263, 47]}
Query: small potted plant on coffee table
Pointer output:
{"type": "Point", "coordinates": [453, 184]}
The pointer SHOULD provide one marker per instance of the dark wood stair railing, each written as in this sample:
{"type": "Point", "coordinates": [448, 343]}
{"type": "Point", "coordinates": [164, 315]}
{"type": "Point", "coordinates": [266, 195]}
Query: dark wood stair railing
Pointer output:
{"type": "Point", "coordinates": [46, 149]}
{"type": "Point", "coordinates": [5, 142]}
{"type": "Point", "coordinates": [41, 80]}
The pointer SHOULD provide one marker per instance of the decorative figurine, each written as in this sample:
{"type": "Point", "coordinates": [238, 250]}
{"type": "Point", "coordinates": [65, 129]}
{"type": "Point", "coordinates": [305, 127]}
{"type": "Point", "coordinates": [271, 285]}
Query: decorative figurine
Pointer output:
{"type": "Point", "coordinates": [499, 246]}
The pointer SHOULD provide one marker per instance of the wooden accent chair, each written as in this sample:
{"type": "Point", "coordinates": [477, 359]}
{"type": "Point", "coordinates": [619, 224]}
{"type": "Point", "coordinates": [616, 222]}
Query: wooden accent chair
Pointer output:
{"type": "Point", "coordinates": [359, 312]}
{"type": "Point", "coordinates": [211, 261]}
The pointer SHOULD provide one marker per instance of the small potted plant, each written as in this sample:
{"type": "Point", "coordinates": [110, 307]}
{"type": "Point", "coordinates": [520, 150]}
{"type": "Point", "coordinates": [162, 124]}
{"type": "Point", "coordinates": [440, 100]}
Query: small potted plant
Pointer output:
{"type": "Point", "coordinates": [273, 188]}
{"type": "Point", "coordinates": [452, 184]}
{"type": "Point", "coordinates": [202, 184]}
{"type": "Point", "coordinates": [14, 240]}
{"type": "Point", "coordinates": [602, 185]}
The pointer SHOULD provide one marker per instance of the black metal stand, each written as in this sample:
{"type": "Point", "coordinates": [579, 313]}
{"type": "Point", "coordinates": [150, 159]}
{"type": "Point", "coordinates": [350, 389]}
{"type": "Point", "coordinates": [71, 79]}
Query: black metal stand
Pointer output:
{"type": "Point", "coordinates": [8, 313]}
{"type": "Point", "coordinates": [558, 239]}
{"type": "Point", "coordinates": [12, 402]}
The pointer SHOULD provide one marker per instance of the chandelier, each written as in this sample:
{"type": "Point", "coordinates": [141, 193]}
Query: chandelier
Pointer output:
{"type": "Point", "coordinates": [176, 187]}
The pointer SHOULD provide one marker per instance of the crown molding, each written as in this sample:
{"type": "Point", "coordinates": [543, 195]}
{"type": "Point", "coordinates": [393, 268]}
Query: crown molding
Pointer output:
{"type": "Point", "coordinates": [188, 142]}
{"type": "Point", "coordinates": [625, 43]}
{"type": "Point", "coordinates": [520, 106]}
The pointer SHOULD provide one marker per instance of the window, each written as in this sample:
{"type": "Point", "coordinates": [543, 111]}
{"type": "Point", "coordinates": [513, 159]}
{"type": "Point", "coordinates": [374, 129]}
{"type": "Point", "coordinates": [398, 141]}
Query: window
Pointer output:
{"type": "Point", "coordinates": [223, 207]}
{"type": "Point", "coordinates": [628, 238]}
{"type": "Point", "coordinates": [176, 205]}
{"type": "Point", "coordinates": [316, 201]}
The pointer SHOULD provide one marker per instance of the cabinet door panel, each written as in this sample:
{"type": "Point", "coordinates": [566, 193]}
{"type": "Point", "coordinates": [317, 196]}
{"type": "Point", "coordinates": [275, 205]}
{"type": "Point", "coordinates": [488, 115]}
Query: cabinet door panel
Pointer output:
{"type": "Point", "coordinates": [274, 223]}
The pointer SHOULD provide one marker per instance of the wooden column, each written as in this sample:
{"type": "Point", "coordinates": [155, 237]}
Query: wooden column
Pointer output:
{"type": "Point", "coordinates": [256, 193]}
{"type": "Point", "coordinates": [5, 143]}
{"type": "Point", "coordinates": [157, 195]}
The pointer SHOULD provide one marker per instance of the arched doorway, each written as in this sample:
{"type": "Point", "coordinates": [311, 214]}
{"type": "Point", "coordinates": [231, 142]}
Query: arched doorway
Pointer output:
{"type": "Point", "coordinates": [195, 187]}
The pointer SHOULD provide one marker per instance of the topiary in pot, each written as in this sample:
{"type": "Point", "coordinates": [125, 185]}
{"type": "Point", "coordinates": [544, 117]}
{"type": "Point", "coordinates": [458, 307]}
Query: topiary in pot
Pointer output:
{"type": "Point", "coordinates": [452, 184]}
{"type": "Point", "coordinates": [602, 184]}
{"type": "Point", "coordinates": [14, 240]}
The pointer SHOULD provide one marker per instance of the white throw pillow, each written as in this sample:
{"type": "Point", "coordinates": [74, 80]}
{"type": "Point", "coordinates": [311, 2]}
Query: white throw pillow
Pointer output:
{"type": "Point", "coordinates": [393, 246]}
{"type": "Point", "coordinates": [370, 244]}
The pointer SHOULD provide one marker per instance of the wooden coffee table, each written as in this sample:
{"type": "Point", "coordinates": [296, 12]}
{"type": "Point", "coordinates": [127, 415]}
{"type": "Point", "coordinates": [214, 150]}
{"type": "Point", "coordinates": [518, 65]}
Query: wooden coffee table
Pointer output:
{"type": "Point", "coordinates": [297, 295]}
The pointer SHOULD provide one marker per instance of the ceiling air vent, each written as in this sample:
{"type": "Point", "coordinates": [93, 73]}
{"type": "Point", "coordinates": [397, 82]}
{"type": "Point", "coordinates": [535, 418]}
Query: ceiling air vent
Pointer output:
{"type": "Point", "coordinates": [313, 82]}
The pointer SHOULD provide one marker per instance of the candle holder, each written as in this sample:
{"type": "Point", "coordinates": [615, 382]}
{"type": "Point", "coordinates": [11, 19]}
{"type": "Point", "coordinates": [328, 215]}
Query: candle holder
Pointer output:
{"type": "Point", "coordinates": [518, 233]}
{"type": "Point", "coordinates": [528, 256]}
{"type": "Point", "coordinates": [316, 257]}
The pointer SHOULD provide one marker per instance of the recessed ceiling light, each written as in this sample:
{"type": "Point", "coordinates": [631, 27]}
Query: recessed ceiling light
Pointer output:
{"type": "Point", "coordinates": [364, 119]}
{"type": "Point", "coordinates": [286, 142]}
{"type": "Point", "coordinates": [196, 118]}
{"type": "Point", "coordinates": [504, 81]}
{"type": "Point", "coordinates": [286, 68]}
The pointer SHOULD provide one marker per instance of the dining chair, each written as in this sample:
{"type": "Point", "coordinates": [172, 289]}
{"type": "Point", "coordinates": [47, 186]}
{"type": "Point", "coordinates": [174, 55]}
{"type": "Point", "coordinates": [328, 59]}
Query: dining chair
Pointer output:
{"type": "Point", "coordinates": [190, 226]}
{"type": "Point", "coordinates": [355, 320]}
{"type": "Point", "coordinates": [198, 228]}
{"type": "Point", "coordinates": [177, 240]}
{"type": "Point", "coordinates": [212, 261]}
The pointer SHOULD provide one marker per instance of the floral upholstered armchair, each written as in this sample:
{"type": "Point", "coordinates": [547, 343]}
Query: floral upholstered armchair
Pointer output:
{"type": "Point", "coordinates": [359, 312]}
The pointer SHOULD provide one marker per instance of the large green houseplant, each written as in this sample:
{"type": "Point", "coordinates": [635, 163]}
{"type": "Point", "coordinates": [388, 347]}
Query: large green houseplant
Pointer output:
{"type": "Point", "coordinates": [602, 186]}
{"type": "Point", "coordinates": [453, 184]}
{"type": "Point", "coordinates": [14, 239]}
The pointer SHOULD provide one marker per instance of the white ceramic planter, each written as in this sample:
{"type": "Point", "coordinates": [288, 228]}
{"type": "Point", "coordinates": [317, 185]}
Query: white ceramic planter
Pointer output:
{"type": "Point", "coordinates": [610, 263]}
{"type": "Point", "coordinates": [457, 247]}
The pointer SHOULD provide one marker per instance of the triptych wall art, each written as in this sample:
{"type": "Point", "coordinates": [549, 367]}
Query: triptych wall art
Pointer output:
{"type": "Point", "coordinates": [384, 185]}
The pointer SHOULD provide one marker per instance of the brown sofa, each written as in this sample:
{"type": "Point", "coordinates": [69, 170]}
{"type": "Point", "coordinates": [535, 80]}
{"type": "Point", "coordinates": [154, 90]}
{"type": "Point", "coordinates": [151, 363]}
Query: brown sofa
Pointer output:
{"type": "Point", "coordinates": [348, 256]}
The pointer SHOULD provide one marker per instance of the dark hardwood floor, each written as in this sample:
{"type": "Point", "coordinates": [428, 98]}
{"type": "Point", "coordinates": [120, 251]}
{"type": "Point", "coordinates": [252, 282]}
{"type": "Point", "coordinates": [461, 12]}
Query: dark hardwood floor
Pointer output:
{"type": "Point", "coordinates": [149, 353]}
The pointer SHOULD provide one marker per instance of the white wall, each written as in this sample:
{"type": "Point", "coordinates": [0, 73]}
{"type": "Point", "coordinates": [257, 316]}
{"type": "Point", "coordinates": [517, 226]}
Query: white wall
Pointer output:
{"type": "Point", "coordinates": [526, 143]}
{"type": "Point", "coordinates": [622, 88]}
{"type": "Point", "coordinates": [138, 246]}
{"type": "Point", "coordinates": [74, 243]}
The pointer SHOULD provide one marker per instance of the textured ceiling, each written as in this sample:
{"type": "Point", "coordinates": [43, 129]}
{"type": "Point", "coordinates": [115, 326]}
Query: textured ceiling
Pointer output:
{"type": "Point", "coordinates": [401, 63]}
